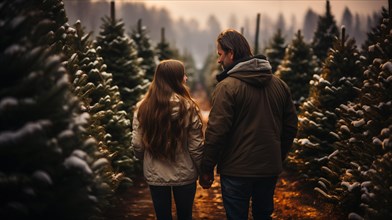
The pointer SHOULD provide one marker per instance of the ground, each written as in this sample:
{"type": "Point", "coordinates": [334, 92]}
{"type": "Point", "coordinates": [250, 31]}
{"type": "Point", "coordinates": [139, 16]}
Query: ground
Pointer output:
{"type": "Point", "coordinates": [292, 201]}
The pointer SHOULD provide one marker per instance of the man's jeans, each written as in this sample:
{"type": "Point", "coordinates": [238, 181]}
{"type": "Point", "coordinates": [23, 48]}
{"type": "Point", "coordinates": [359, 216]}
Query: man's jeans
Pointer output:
{"type": "Point", "coordinates": [183, 198]}
{"type": "Point", "coordinates": [237, 191]}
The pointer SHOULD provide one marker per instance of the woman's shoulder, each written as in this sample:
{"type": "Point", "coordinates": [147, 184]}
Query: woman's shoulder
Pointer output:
{"type": "Point", "coordinates": [178, 100]}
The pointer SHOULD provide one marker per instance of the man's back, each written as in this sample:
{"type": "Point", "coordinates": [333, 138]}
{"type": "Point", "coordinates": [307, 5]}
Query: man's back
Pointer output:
{"type": "Point", "coordinates": [252, 115]}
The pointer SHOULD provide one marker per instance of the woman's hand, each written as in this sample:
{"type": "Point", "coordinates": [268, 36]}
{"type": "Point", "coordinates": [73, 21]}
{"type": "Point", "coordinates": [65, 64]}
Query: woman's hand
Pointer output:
{"type": "Point", "coordinates": [206, 180]}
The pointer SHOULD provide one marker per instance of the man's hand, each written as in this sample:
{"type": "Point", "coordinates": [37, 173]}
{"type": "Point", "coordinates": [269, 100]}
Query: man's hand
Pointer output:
{"type": "Point", "coordinates": [206, 180]}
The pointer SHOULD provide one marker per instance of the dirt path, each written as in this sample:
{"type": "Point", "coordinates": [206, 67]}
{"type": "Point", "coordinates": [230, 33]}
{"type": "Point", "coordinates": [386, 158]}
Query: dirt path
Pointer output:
{"type": "Point", "coordinates": [291, 202]}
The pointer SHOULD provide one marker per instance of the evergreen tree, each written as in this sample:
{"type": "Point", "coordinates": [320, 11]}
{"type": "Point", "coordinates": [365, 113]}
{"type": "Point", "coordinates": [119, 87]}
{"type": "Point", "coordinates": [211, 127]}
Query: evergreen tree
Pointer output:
{"type": "Point", "coordinates": [276, 49]}
{"type": "Point", "coordinates": [347, 20]}
{"type": "Point", "coordinates": [281, 24]}
{"type": "Point", "coordinates": [374, 47]}
{"type": "Point", "coordinates": [297, 68]}
{"type": "Point", "coordinates": [310, 25]}
{"type": "Point", "coordinates": [109, 124]}
{"type": "Point", "coordinates": [363, 150]}
{"type": "Point", "coordinates": [338, 83]}
{"type": "Point", "coordinates": [163, 49]}
{"type": "Point", "coordinates": [359, 34]}
{"type": "Point", "coordinates": [190, 69]}
{"type": "Point", "coordinates": [46, 171]}
{"type": "Point", "coordinates": [144, 50]}
{"type": "Point", "coordinates": [325, 33]}
{"type": "Point", "coordinates": [209, 72]}
{"type": "Point", "coordinates": [364, 132]}
{"type": "Point", "coordinates": [120, 55]}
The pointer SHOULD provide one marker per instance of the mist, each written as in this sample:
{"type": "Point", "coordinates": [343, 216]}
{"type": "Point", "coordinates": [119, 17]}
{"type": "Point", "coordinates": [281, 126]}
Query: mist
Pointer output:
{"type": "Point", "coordinates": [192, 37]}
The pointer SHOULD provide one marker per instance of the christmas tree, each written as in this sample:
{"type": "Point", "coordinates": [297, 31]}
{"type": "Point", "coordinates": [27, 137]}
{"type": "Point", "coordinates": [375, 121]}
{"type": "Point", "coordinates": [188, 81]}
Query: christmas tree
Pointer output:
{"type": "Point", "coordinates": [297, 68]}
{"type": "Point", "coordinates": [211, 68]}
{"type": "Point", "coordinates": [338, 83]}
{"type": "Point", "coordinates": [163, 49]}
{"type": "Point", "coordinates": [364, 132]}
{"type": "Point", "coordinates": [120, 55]}
{"type": "Point", "coordinates": [109, 124]}
{"type": "Point", "coordinates": [325, 33]}
{"type": "Point", "coordinates": [356, 174]}
{"type": "Point", "coordinates": [190, 69]}
{"type": "Point", "coordinates": [374, 46]}
{"type": "Point", "coordinates": [363, 150]}
{"type": "Point", "coordinates": [45, 170]}
{"type": "Point", "coordinates": [144, 50]}
{"type": "Point", "coordinates": [276, 50]}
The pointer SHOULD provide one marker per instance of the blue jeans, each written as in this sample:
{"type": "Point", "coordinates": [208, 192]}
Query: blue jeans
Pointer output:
{"type": "Point", "coordinates": [183, 198]}
{"type": "Point", "coordinates": [237, 192]}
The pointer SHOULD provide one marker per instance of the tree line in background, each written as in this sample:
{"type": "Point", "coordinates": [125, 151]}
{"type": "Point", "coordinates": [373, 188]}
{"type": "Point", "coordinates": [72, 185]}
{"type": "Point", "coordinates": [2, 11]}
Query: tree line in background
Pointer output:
{"type": "Point", "coordinates": [66, 99]}
{"type": "Point", "coordinates": [190, 35]}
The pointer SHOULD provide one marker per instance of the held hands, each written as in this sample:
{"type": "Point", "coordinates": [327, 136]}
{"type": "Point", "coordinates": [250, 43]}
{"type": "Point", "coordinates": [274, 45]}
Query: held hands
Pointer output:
{"type": "Point", "coordinates": [206, 180]}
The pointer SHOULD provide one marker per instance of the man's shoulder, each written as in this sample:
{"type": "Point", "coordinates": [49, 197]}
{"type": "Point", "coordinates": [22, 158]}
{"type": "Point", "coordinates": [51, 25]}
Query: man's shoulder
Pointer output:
{"type": "Point", "coordinates": [229, 80]}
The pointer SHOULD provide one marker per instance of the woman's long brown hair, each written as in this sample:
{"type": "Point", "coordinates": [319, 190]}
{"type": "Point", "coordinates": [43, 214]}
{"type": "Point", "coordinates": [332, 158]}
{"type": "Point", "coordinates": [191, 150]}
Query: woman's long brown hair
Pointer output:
{"type": "Point", "coordinates": [161, 133]}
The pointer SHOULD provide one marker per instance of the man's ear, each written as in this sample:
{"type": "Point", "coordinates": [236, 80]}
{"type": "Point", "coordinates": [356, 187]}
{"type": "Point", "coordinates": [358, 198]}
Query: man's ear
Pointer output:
{"type": "Point", "coordinates": [231, 54]}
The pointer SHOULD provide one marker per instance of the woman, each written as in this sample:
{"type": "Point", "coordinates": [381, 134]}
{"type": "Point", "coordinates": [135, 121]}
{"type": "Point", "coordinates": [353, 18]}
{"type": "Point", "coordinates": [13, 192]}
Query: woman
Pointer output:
{"type": "Point", "coordinates": [167, 136]}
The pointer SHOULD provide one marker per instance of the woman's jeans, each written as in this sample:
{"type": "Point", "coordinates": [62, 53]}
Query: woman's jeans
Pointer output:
{"type": "Point", "coordinates": [183, 198]}
{"type": "Point", "coordinates": [236, 194]}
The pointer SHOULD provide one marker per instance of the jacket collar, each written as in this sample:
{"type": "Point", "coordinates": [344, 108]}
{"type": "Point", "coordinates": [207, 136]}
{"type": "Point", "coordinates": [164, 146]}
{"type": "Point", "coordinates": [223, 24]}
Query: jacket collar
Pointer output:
{"type": "Point", "coordinates": [222, 75]}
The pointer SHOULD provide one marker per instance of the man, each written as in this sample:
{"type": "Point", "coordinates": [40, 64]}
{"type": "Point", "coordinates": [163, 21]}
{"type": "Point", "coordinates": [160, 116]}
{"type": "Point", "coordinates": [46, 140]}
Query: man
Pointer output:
{"type": "Point", "coordinates": [250, 130]}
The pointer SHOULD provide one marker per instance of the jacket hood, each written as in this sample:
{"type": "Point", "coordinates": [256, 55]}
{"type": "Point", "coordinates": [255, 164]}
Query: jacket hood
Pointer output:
{"type": "Point", "coordinates": [255, 71]}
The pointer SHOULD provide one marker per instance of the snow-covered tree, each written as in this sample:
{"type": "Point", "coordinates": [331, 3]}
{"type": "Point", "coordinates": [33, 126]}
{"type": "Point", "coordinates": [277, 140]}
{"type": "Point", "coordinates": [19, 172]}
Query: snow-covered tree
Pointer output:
{"type": "Point", "coordinates": [144, 50]}
{"type": "Point", "coordinates": [109, 124]}
{"type": "Point", "coordinates": [46, 171]}
{"type": "Point", "coordinates": [362, 157]}
{"type": "Point", "coordinates": [374, 46]}
{"type": "Point", "coordinates": [338, 83]}
{"type": "Point", "coordinates": [120, 55]}
{"type": "Point", "coordinates": [325, 34]}
{"type": "Point", "coordinates": [297, 68]}
{"type": "Point", "coordinates": [275, 50]}
{"type": "Point", "coordinates": [356, 175]}
{"type": "Point", "coordinates": [364, 131]}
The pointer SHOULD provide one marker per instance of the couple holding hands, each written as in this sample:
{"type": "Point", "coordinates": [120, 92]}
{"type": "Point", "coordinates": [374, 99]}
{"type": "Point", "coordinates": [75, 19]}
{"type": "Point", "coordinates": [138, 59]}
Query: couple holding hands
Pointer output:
{"type": "Point", "coordinates": [250, 130]}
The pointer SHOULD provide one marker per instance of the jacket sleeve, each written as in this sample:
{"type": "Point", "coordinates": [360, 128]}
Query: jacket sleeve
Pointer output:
{"type": "Point", "coordinates": [137, 145]}
{"type": "Point", "coordinates": [290, 125]}
{"type": "Point", "coordinates": [218, 127]}
{"type": "Point", "coordinates": [195, 137]}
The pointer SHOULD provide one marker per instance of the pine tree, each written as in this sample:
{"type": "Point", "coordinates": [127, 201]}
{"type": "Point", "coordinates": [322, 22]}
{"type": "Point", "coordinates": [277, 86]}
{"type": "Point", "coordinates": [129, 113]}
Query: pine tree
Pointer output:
{"type": "Point", "coordinates": [45, 170]}
{"type": "Point", "coordinates": [363, 151]}
{"type": "Point", "coordinates": [347, 20]}
{"type": "Point", "coordinates": [208, 73]}
{"type": "Point", "coordinates": [144, 50]}
{"type": "Point", "coordinates": [343, 70]}
{"type": "Point", "coordinates": [276, 50]}
{"type": "Point", "coordinates": [364, 130]}
{"type": "Point", "coordinates": [374, 47]}
{"type": "Point", "coordinates": [120, 55]}
{"type": "Point", "coordinates": [325, 33]}
{"type": "Point", "coordinates": [190, 69]}
{"type": "Point", "coordinates": [163, 49]}
{"type": "Point", "coordinates": [297, 68]}
{"type": "Point", "coordinates": [338, 83]}
{"type": "Point", "coordinates": [310, 24]}
{"type": "Point", "coordinates": [93, 85]}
